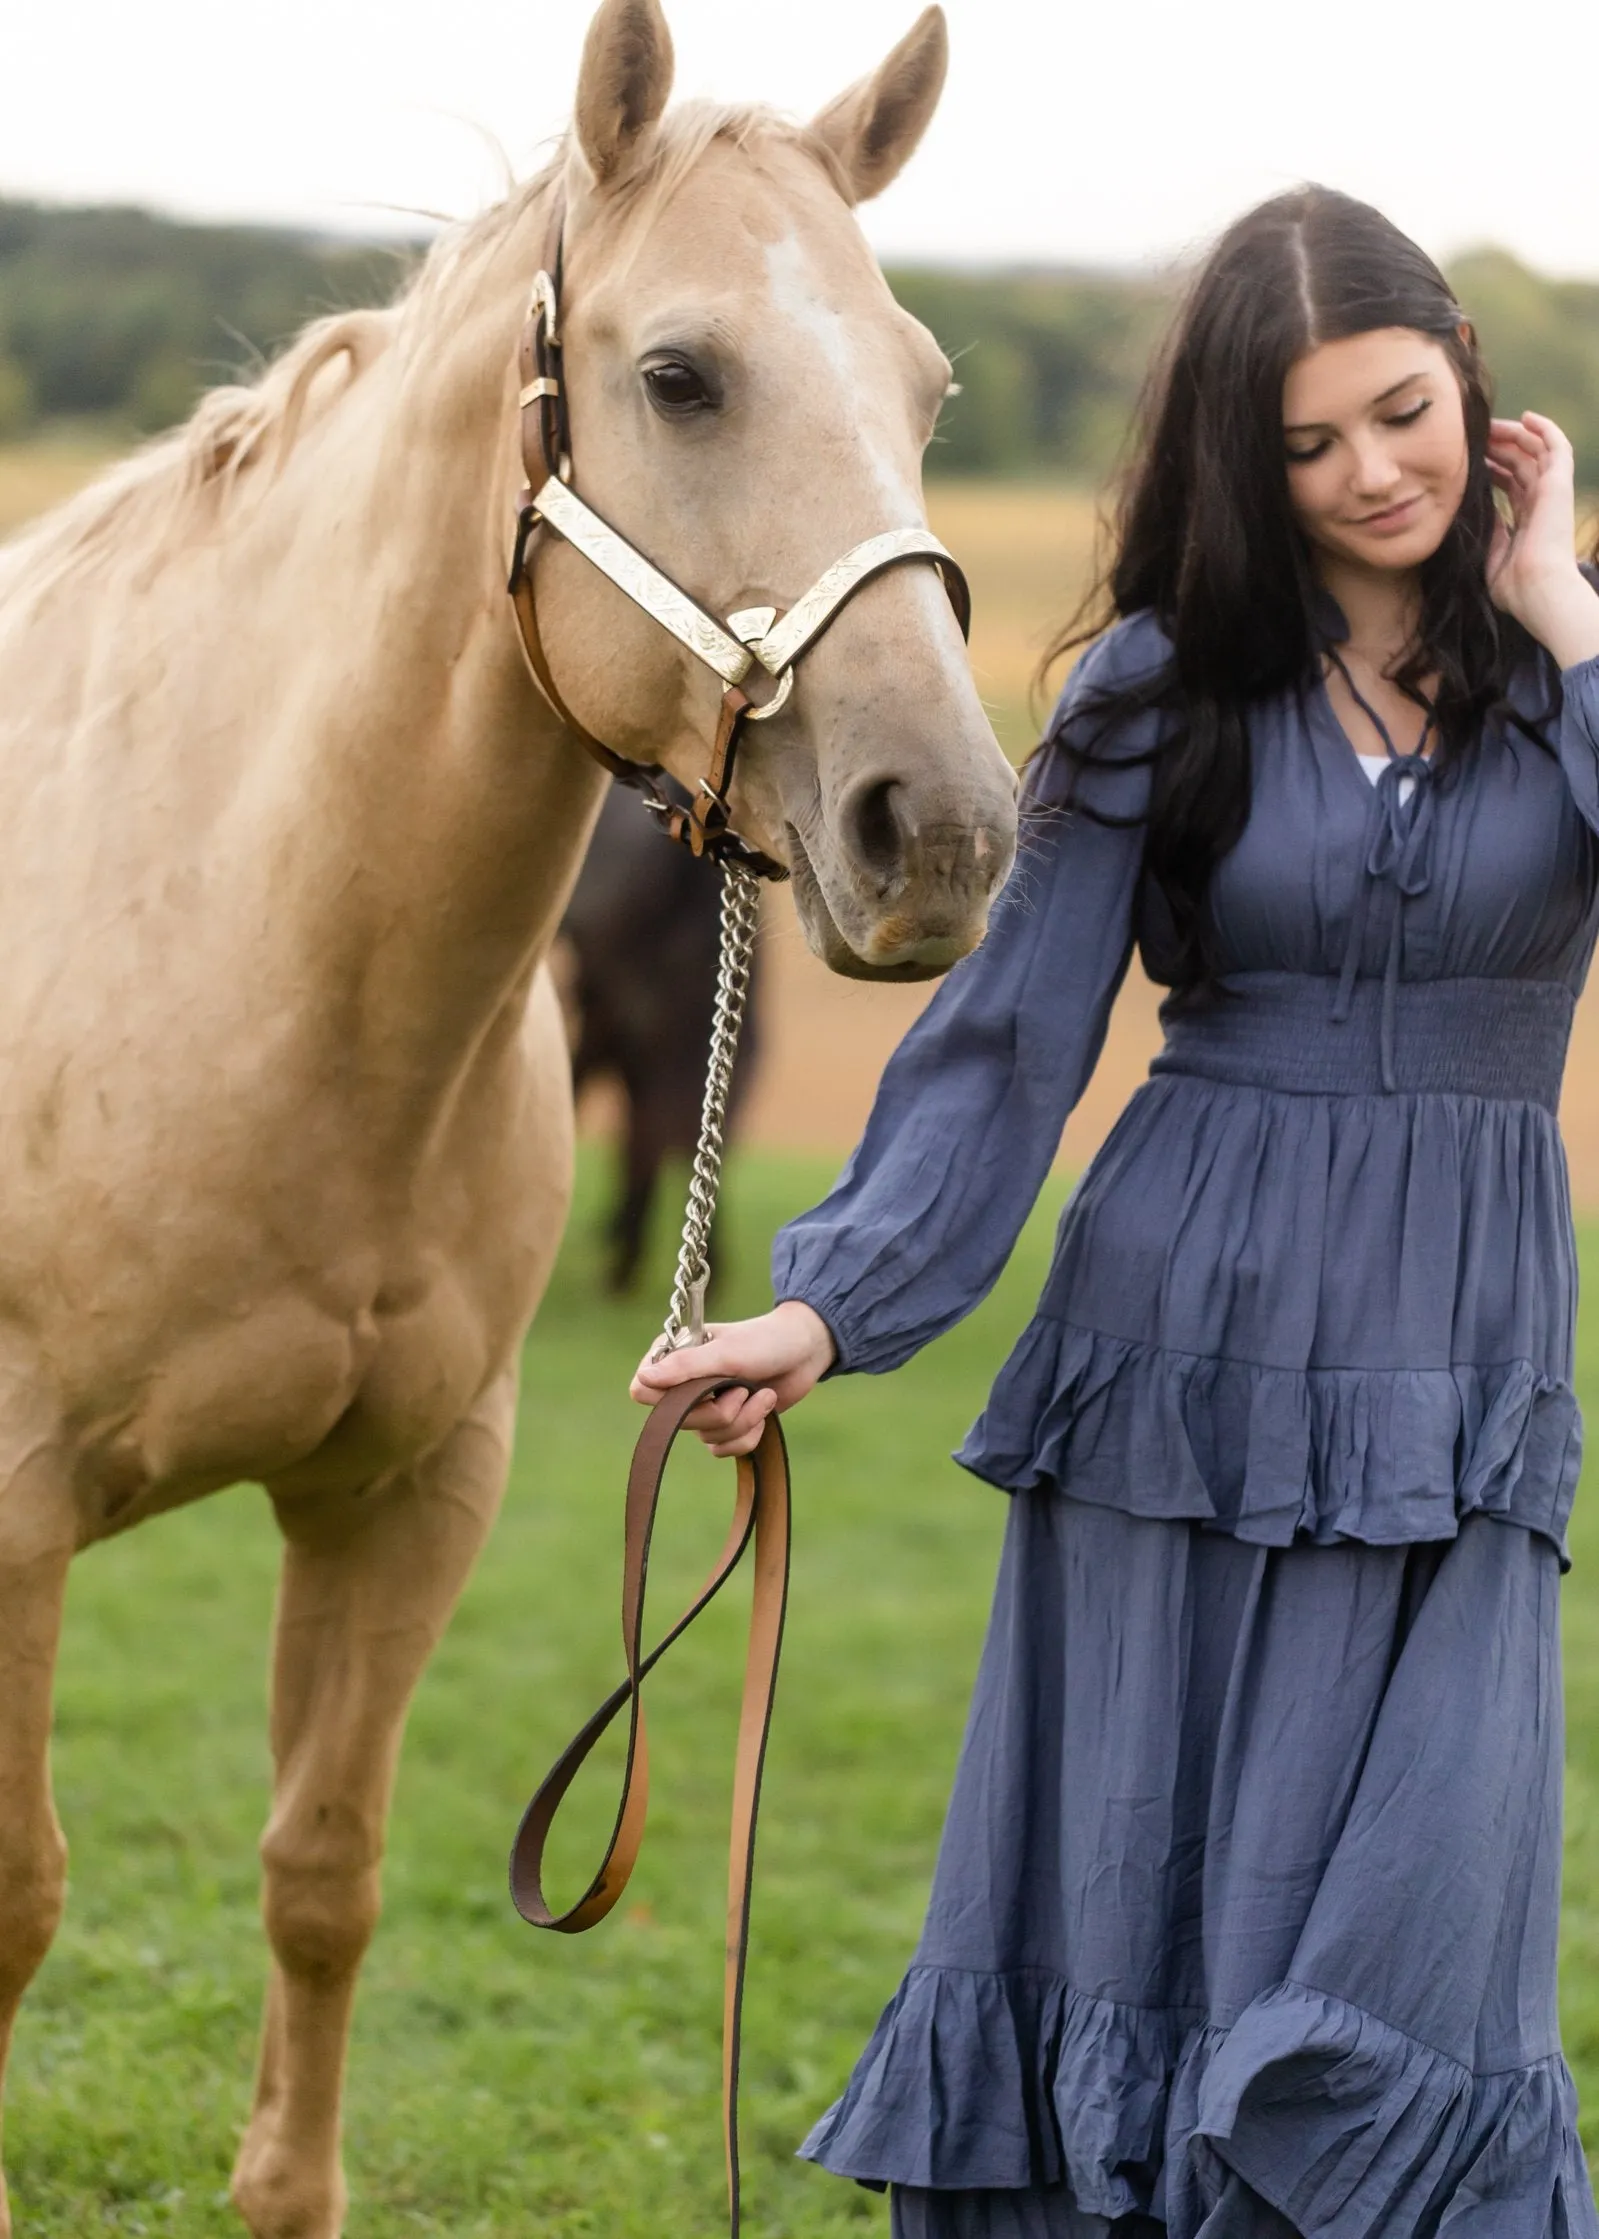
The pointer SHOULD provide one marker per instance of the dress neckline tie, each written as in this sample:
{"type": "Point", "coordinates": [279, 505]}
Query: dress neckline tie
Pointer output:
{"type": "Point", "coordinates": [1396, 851]}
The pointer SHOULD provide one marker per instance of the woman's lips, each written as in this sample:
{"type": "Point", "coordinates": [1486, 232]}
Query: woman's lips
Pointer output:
{"type": "Point", "coordinates": [1391, 519]}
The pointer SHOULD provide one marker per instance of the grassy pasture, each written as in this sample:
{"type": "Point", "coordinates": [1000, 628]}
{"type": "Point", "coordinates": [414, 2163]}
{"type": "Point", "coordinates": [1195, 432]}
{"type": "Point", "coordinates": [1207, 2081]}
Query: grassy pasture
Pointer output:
{"type": "Point", "coordinates": [507, 2084]}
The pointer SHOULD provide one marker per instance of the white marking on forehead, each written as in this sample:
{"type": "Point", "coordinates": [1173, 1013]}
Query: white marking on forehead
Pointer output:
{"type": "Point", "coordinates": [796, 296]}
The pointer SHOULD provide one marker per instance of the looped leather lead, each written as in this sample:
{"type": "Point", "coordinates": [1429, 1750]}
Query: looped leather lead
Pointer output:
{"type": "Point", "coordinates": [761, 1519]}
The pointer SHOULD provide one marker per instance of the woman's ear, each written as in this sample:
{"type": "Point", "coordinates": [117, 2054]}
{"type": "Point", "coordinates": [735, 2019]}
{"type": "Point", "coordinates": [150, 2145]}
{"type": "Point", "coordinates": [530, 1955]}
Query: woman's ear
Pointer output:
{"type": "Point", "coordinates": [875, 127]}
{"type": "Point", "coordinates": [622, 87]}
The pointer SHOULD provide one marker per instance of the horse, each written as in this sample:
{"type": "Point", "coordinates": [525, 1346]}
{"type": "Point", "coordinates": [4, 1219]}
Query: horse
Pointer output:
{"type": "Point", "coordinates": [286, 831]}
{"type": "Point", "coordinates": [642, 932]}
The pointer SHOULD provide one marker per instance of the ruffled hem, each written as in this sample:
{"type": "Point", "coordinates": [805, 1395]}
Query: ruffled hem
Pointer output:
{"type": "Point", "coordinates": [1274, 1455]}
{"type": "Point", "coordinates": [1349, 2128]}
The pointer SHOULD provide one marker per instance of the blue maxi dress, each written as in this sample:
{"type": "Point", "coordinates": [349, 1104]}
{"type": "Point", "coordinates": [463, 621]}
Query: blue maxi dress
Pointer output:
{"type": "Point", "coordinates": [1244, 1919]}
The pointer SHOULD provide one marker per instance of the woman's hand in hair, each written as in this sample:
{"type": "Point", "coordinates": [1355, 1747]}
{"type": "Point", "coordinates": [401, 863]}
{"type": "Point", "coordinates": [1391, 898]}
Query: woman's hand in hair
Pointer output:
{"type": "Point", "coordinates": [1532, 567]}
{"type": "Point", "coordinates": [773, 1360]}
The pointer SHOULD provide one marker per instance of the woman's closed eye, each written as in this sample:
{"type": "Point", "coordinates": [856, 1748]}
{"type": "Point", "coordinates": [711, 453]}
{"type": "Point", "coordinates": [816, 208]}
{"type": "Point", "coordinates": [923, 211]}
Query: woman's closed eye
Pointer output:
{"type": "Point", "coordinates": [1405, 419]}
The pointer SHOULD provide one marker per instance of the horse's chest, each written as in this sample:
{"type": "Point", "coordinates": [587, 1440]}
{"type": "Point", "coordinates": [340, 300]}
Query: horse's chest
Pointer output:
{"type": "Point", "coordinates": [270, 1295]}
{"type": "Point", "coordinates": [285, 1392]}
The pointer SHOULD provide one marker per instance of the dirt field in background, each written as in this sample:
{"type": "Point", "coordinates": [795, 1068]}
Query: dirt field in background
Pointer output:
{"type": "Point", "coordinates": [35, 476]}
{"type": "Point", "coordinates": [1027, 551]}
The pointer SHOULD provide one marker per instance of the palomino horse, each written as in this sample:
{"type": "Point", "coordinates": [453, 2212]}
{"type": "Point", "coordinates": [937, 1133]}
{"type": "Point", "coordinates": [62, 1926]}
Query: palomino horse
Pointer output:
{"type": "Point", "coordinates": [287, 833]}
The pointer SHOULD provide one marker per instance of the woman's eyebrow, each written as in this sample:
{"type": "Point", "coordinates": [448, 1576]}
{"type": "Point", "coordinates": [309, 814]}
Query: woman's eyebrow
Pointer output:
{"type": "Point", "coordinates": [1305, 427]}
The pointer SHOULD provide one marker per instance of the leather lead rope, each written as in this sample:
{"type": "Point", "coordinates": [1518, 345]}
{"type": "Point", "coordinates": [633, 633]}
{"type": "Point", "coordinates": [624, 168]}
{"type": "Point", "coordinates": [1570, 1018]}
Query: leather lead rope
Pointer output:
{"type": "Point", "coordinates": [761, 1519]}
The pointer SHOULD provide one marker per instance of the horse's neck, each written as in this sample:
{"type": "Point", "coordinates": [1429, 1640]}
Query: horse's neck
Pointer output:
{"type": "Point", "coordinates": [430, 811]}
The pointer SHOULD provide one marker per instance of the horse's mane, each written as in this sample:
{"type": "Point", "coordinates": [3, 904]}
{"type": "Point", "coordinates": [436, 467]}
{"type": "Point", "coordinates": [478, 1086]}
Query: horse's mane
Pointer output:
{"type": "Point", "coordinates": [174, 488]}
{"type": "Point", "coordinates": [184, 484]}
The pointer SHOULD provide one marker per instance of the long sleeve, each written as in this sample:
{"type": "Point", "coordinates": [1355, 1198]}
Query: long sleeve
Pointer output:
{"type": "Point", "coordinates": [970, 1109]}
{"type": "Point", "coordinates": [1579, 737]}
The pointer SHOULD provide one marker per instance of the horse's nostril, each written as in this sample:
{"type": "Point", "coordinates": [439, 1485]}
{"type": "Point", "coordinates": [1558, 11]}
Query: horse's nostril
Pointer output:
{"type": "Point", "coordinates": [878, 825]}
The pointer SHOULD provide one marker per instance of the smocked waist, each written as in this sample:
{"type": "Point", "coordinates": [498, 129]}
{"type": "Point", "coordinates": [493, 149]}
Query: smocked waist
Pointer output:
{"type": "Point", "coordinates": [1498, 1038]}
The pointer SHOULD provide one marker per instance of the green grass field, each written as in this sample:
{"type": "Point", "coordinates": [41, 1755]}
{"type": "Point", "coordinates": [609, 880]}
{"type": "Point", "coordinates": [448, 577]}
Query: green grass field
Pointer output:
{"type": "Point", "coordinates": [510, 2084]}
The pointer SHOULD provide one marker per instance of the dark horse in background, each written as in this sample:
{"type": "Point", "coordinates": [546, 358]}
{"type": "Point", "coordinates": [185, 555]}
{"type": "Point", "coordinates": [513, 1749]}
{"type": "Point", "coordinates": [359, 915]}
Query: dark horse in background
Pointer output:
{"type": "Point", "coordinates": [643, 927]}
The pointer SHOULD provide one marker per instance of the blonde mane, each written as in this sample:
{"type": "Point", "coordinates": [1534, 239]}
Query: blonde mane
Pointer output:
{"type": "Point", "coordinates": [182, 486]}
{"type": "Point", "coordinates": [178, 486]}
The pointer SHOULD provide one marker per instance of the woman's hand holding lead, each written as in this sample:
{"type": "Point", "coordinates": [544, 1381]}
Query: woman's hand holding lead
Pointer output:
{"type": "Point", "coordinates": [774, 1360]}
{"type": "Point", "coordinates": [1532, 567]}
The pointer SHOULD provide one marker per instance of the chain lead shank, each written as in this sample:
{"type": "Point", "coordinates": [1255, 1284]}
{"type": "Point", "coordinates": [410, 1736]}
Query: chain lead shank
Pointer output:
{"type": "Point", "coordinates": [685, 1317]}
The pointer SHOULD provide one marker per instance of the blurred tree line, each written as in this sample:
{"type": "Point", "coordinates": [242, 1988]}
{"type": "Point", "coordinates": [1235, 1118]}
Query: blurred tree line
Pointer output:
{"type": "Point", "coordinates": [123, 317]}
{"type": "Point", "coordinates": [119, 316]}
{"type": "Point", "coordinates": [1050, 364]}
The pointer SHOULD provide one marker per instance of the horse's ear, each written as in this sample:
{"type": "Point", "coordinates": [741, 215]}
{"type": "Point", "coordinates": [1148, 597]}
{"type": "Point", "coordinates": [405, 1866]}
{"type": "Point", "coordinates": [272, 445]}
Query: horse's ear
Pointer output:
{"type": "Point", "coordinates": [622, 86]}
{"type": "Point", "coordinates": [875, 128]}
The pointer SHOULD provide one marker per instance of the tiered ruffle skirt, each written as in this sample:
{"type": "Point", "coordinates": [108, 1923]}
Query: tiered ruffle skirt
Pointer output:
{"type": "Point", "coordinates": [1305, 1318]}
{"type": "Point", "coordinates": [1244, 1920]}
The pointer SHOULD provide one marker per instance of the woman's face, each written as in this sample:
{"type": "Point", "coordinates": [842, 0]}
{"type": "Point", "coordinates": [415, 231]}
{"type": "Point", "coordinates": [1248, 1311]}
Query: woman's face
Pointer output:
{"type": "Point", "coordinates": [1374, 428]}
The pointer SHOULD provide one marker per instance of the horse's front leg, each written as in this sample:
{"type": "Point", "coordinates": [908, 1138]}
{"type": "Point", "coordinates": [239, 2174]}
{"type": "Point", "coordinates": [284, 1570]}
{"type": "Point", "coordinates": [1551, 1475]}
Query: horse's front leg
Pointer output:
{"type": "Point", "coordinates": [369, 1581]}
{"type": "Point", "coordinates": [36, 1542]}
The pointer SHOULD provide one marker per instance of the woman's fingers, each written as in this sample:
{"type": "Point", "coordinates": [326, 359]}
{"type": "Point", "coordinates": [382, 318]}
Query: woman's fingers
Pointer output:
{"type": "Point", "coordinates": [1510, 437]}
{"type": "Point", "coordinates": [768, 1363]}
{"type": "Point", "coordinates": [1531, 567]}
{"type": "Point", "coordinates": [743, 1434]}
{"type": "Point", "coordinates": [744, 1431]}
{"type": "Point", "coordinates": [1522, 451]}
{"type": "Point", "coordinates": [789, 1348]}
{"type": "Point", "coordinates": [1548, 431]}
{"type": "Point", "coordinates": [718, 1414]}
{"type": "Point", "coordinates": [1531, 462]}
{"type": "Point", "coordinates": [1533, 445]}
{"type": "Point", "coordinates": [1517, 457]}
{"type": "Point", "coordinates": [685, 1365]}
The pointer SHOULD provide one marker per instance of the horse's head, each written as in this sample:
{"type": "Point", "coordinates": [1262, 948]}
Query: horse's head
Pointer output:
{"type": "Point", "coordinates": [748, 403]}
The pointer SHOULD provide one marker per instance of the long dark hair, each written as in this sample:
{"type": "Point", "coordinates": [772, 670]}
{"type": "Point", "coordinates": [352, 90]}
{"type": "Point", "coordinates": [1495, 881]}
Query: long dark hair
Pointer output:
{"type": "Point", "coordinates": [1204, 537]}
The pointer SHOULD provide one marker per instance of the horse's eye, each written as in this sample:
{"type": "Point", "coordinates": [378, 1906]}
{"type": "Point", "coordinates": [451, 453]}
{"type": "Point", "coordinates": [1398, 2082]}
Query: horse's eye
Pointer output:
{"type": "Point", "coordinates": [676, 390]}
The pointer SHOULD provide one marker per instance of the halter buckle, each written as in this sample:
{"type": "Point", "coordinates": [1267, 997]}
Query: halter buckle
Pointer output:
{"type": "Point", "coordinates": [542, 303]}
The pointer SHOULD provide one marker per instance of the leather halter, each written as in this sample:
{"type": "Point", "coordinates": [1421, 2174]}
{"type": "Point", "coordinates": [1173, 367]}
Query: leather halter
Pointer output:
{"type": "Point", "coordinates": [763, 636]}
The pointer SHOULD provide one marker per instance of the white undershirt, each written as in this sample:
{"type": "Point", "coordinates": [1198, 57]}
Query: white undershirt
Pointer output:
{"type": "Point", "coordinates": [1375, 764]}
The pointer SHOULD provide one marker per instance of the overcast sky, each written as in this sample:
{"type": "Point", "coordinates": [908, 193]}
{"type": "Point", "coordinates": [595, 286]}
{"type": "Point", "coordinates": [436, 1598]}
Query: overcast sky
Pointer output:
{"type": "Point", "coordinates": [1113, 131]}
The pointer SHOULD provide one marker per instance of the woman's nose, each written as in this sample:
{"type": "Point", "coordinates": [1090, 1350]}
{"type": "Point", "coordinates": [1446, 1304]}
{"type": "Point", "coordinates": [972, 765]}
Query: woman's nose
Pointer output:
{"type": "Point", "coordinates": [1376, 470]}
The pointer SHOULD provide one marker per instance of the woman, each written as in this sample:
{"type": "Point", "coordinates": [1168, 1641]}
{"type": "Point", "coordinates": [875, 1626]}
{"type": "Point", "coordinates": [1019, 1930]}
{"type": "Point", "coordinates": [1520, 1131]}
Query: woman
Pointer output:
{"type": "Point", "coordinates": [1244, 1918]}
